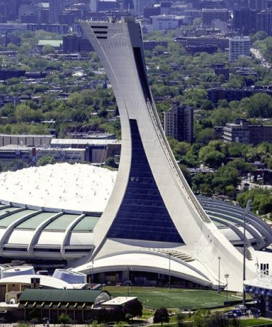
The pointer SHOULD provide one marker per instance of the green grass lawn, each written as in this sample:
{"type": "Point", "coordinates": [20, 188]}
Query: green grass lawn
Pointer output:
{"type": "Point", "coordinates": [152, 297]}
{"type": "Point", "coordinates": [255, 322]}
{"type": "Point", "coordinates": [243, 323]}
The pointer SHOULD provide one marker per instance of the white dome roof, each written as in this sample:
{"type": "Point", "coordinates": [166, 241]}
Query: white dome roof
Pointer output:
{"type": "Point", "coordinates": [66, 186]}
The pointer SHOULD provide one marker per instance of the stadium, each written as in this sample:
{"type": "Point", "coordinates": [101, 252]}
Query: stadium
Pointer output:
{"type": "Point", "coordinates": [54, 223]}
{"type": "Point", "coordinates": [143, 225]}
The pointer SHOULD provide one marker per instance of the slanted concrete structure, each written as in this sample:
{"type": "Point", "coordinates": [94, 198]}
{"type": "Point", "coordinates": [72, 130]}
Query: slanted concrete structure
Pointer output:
{"type": "Point", "coordinates": [153, 220]}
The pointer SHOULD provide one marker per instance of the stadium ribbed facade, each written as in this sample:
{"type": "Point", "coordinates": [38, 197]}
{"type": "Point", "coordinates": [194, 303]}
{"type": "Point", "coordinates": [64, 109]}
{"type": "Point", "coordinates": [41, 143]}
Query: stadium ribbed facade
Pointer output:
{"type": "Point", "coordinates": [63, 235]}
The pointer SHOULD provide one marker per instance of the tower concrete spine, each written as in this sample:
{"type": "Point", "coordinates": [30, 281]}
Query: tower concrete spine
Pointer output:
{"type": "Point", "coordinates": [151, 204]}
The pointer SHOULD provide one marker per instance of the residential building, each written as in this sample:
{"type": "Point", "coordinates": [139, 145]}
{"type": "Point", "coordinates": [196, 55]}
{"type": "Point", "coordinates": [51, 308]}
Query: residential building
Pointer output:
{"type": "Point", "coordinates": [74, 43]}
{"type": "Point", "coordinates": [219, 93]}
{"type": "Point", "coordinates": [236, 132]}
{"type": "Point", "coordinates": [178, 123]}
{"type": "Point", "coordinates": [32, 147]}
{"type": "Point", "coordinates": [239, 46]}
{"type": "Point", "coordinates": [243, 132]}
{"type": "Point", "coordinates": [204, 41]}
{"type": "Point", "coordinates": [56, 7]}
{"type": "Point", "coordinates": [165, 22]}
{"type": "Point", "coordinates": [209, 15]}
{"type": "Point", "coordinates": [151, 44]}
{"type": "Point", "coordinates": [52, 28]}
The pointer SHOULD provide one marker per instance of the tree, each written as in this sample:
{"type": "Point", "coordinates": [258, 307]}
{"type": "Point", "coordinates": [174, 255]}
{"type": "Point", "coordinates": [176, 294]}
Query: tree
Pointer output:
{"type": "Point", "coordinates": [203, 318]}
{"type": "Point", "coordinates": [236, 149]}
{"type": "Point", "coordinates": [205, 135]}
{"type": "Point", "coordinates": [46, 160]}
{"type": "Point", "coordinates": [24, 113]}
{"type": "Point", "coordinates": [133, 309]}
{"type": "Point", "coordinates": [47, 49]}
{"type": "Point", "coordinates": [258, 105]}
{"type": "Point", "coordinates": [219, 320]}
{"type": "Point", "coordinates": [260, 35]}
{"type": "Point", "coordinates": [201, 183]}
{"type": "Point", "coordinates": [179, 148]}
{"type": "Point", "coordinates": [180, 319]}
{"type": "Point", "coordinates": [64, 319]}
{"type": "Point", "coordinates": [261, 200]}
{"type": "Point", "coordinates": [242, 166]}
{"type": "Point", "coordinates": [200, 318]}
{"type": "Point", "coordinates": [195, 97]}
{"type": "Point", "coordinates": [161, 315]}
{"type": "Point", "coordinates": [210, 157]}
{"type": "Point", "coordinates": [186, 173]}
{"type": "Point", "coordinates": [224, 178]}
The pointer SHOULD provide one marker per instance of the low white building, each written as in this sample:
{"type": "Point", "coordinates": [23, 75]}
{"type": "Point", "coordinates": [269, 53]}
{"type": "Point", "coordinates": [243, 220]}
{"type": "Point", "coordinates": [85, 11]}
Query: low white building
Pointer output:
{"type": "Point", "coordinates": [166, 22]}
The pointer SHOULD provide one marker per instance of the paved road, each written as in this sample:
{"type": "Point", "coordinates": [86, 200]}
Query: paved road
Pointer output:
{"type": "Point", "coordinates": [257, 54]}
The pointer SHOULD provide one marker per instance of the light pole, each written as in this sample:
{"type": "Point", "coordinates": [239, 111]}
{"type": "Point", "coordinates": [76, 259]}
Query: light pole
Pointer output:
{"type": "Point", "coordinates": [128, 281]}
{"type": "Point", "coordinates": [219, 273]}
{"type": "Point", "coordinates": [226, 277]}
{"type": "Point", "coordinates": [247, 209]}
{"type": "Point", "coordinates": [169, 271]}
{"type": "Point", "coordinates": [92, 277]}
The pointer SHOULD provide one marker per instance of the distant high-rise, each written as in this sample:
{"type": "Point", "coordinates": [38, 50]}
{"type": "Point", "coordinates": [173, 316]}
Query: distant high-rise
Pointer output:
{"type": "Point", "coordinates": [55, 9]}
{"type": "Point", "coordinates": [9, 9]}
{"type": "Point", "coordinates": [212, 4]}
{"type": "Point", "coordinates": [93, 5]}
{"type": "Point", "coordinates": [239, 46]}
{"type": "Point", "coordinates": [257, 4]}
{"type": "Point", "coordinates": [178, 123]}
{"type": "Point", "coordinates": [140, 5]}
{"type": "Point", "coordinates": [264, 21]}
{"type": "Point", "coordinates": [244, 20]}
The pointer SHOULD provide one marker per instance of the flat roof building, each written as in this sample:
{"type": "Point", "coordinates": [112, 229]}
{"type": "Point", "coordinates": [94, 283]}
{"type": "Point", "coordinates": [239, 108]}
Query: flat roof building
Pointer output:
{"type": "Point", "coordinates": [239, 46]}
{"type": "Point", "coordinates": [209, 15]}
{"type": "Point", "coordinates": [243, 132]}
{"type": "Point", "coordinates": [179, 123]}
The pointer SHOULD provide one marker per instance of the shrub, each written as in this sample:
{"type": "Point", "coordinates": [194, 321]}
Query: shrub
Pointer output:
{"type": "Point", "coordinates": [161, 315]}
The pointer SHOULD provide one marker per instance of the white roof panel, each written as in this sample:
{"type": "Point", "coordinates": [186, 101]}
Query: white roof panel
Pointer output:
{"type": "Point", "coordinates": [80, 187]}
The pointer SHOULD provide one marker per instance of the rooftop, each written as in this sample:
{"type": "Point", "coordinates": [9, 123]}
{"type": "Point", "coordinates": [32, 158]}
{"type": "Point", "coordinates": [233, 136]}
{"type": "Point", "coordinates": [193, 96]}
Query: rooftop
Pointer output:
{"type": "Point", "coordinates": [84, 141]}
{"type": "Point", "coordinates": [52, 43]}
{"type": "Point", "coordinates": [120, 300]}
{"type": "Point", "coordinates": [58, 295]}
{"type": "Point", "coordinates": [46, 281]}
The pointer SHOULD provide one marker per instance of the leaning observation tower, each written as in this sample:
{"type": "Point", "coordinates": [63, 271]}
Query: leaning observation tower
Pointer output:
{"type": "Point", "coordinates": [152, 216]}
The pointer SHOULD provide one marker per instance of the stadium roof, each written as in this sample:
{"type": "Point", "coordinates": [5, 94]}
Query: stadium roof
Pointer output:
{"type": "Point", "coordinates": [79, 187]}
